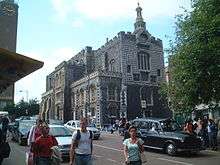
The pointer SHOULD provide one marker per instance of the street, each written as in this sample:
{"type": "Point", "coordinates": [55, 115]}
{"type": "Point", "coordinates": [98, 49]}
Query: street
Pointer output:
{"type": "Point", "coordinates": [108, 150]}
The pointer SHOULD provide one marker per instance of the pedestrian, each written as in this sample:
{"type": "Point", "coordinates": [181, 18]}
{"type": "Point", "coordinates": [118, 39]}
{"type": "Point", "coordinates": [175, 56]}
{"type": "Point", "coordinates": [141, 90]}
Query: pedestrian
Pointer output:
{"type": "Point", "coordinates": [81, 147]}
{"type": "Point", "coordinates": [210, 133]}
{"type": "Point", "coordinates": [34, 133]}
{"type": "Point", "coordinates": [126, 132]}
{"type": "Point", "coordinates": [5, 122]}
{"type": "Point", "coordinates": [189, 127]}
{"type": "Point", "coordinates": [43, 146]}
{"type": "Point", "coordinates": [133, 147]}
{"type": "Point", "coordinates": [215, 134]}
{"type": "Point", "coordinates": [199, 127]}
{"type": "Point", "coordinates": [1, 144]}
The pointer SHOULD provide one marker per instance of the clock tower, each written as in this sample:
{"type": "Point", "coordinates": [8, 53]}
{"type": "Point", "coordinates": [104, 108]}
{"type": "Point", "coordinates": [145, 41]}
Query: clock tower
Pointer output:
{"type": "Point", "coordinates": [8, 39]}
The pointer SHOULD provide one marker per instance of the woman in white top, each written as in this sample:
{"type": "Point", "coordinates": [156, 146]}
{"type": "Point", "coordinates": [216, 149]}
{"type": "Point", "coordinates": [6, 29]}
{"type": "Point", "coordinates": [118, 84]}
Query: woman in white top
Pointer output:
{"type": "Point", "coordinates": [133, 147]}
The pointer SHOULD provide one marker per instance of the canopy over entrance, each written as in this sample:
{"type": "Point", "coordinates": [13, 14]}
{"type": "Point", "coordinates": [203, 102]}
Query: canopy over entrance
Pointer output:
{"type": "Point", "coordinates": [14, 66]}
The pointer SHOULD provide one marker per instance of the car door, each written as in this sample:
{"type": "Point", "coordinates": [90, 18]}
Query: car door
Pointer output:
{"type": "Point", "coordinates": [69, 125]}
{"type": "Point", "coordinates": [152, 135]}
{"type": "Point", "coordinates": [73, 126]}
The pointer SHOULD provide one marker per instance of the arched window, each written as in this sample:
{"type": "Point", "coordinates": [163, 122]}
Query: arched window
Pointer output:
{"type": "Point", "coordinates": [143, 61]}
{"type": "Point", "coordinates": [112, 65]}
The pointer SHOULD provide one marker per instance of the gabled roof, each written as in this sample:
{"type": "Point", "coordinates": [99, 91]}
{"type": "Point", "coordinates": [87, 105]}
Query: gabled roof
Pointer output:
{"type": "Point", "coordinates": [14, 66]}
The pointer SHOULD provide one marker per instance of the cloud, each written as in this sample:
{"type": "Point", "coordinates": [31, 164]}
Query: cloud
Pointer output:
{"type": "Point", "coordinates": [105, 10]}
{"type": "Point", "coordinates": [77, 23]}
{"type": "Point", "coordinates": [35, 83]}
{"type": "Point", "coordinates": [62, 7]}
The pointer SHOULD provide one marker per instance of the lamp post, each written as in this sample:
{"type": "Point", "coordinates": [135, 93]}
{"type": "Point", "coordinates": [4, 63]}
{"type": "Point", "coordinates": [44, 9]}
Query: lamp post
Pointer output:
{"type": "Point", "coordinates": [25, 91]}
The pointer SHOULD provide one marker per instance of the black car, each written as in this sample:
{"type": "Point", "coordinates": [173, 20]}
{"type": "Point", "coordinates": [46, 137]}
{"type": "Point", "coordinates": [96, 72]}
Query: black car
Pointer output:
{"type": "Point", "coordinates": [166, 135]}
{"type": "Point", "coordinates": [21, 129]}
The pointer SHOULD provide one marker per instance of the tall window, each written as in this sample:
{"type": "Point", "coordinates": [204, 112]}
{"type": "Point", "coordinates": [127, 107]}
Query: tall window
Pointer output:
{"type": "Point", "coordinates": [111, 93]}
{"type": "Point", "coordinates": [158, 72]}
{"type": "Point", "coordinates": [106, 61]}
{"type": "Point", "coordinates": [128, 68]}
{"type": "Point", "coordinates": [144, 61]}
{"type": "Point", "coordinates": [112, 65]}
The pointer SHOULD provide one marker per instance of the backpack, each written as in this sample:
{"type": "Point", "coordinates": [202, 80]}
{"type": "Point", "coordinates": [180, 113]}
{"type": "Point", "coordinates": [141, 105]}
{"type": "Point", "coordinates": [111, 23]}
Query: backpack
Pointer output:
{"type": "Point", "coordinates": [78, 136]}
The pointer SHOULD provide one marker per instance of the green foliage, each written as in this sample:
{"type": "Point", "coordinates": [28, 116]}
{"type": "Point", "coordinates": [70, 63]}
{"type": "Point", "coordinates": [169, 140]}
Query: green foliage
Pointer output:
{"type": "Point", "coordinates": [23, 108]}
{"type": "Point", "coordinates": [195, 57]}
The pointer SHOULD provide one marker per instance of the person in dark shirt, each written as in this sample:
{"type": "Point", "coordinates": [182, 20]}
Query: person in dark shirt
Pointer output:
{"type": "Point", "coordinates": [5, 122]}
{"type": "Point", "coordinates": [1, 141]}
{"type": "Point", "coordinates": [126, 132]}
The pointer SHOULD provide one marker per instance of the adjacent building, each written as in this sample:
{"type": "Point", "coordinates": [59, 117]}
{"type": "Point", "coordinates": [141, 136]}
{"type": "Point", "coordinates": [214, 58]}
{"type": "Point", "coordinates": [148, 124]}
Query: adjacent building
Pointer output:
{"type": "Point", "coordinates": [8, 38]}
{"type": "Point", "coordinates": [120, 79]}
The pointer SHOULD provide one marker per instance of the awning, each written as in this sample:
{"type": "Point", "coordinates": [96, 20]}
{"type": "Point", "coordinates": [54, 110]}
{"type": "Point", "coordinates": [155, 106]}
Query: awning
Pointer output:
{"type": "Point", "coordinates": [14, 66]}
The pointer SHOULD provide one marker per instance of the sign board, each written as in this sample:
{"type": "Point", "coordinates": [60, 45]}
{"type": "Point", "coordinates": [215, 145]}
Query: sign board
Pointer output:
{"type": "Point", "coordinates": [143, 104]}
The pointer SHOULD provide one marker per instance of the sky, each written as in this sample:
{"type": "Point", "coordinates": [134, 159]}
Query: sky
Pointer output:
{"type": "Point", "coordinates": [55, 30]}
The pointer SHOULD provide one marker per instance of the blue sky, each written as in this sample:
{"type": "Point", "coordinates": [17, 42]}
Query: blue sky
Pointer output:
{"type": "Point", "coordinates": [55, 30]}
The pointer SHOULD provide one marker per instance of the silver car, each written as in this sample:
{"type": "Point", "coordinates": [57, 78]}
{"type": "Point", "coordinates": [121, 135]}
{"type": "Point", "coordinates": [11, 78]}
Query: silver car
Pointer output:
{"type": "Point", "coordinates": [63, 137]}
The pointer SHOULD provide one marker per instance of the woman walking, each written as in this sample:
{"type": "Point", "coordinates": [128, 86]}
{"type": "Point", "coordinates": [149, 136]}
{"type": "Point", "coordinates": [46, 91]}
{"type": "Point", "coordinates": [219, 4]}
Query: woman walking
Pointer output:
{"type": "Point", "coordinates": [133, 147]}
{"type": "Point", "coordinates": [42, 146]}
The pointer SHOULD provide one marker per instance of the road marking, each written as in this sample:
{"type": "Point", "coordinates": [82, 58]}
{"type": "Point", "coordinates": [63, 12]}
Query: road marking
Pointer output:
{"type": "Point", "coordinates": [98, 156]}
{"type": "Point", "coordinates": [112, 160]}
{"type": "Point", "coordinates": [114, 149]}
{"type": "Point", "coordinates": [174, 161]}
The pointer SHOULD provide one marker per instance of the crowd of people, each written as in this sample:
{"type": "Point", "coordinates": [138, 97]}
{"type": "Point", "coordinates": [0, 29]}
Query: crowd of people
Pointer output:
{"type": "Point", "coordinates": [205, 128]}
{"type": "Point", "coordinates": [42, 144]}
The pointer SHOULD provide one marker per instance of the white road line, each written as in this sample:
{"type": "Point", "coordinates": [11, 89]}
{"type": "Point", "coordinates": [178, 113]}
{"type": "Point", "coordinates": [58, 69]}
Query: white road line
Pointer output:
{"type": "Point", "coordinates": [112, 160]}
{"type": "Point", "coordinates": [174, 161]}
{"type": "Point", "coordinates": [98, 156]}
{"type": "Point", "coordinates": [114, 149]}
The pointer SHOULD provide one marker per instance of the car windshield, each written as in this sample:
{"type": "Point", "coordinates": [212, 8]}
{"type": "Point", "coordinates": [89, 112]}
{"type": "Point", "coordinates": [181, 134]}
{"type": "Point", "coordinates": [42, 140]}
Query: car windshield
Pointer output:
{"type": "Point", "coordinates": [25, 126]}
{"type": "Point", "coordinates": [92, 125]}
{"type": "Point", "coordinates": [170, 126]}
{"type": "Point", "coordinates": [60, 131]}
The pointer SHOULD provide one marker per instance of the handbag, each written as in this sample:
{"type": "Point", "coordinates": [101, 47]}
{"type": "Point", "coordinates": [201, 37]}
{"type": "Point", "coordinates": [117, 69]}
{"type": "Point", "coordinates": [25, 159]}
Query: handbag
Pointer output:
{"type": "Point", "coordinates": [5, 150]}
{"type": "Point", "coordinates": [29, 158]}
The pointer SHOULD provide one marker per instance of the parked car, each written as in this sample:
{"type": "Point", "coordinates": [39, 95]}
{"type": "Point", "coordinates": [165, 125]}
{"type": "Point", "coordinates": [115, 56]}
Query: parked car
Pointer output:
{"type": "Point", "coordinates": [75, 125]}
{"type": "Point", "coordinates": [166, 135]}
{"type": "Point", "coordinates": [63, 137]}
{"type": "Point", "coordinates": [23, 118]}
{"type": "Point", "coordinates": [20, 130]}
{"type": "Point", "coordinates": [55, 122]}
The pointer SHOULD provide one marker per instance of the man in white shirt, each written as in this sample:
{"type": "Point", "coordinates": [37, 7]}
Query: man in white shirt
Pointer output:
{"type": "Point", "coordinates": [81, 147]}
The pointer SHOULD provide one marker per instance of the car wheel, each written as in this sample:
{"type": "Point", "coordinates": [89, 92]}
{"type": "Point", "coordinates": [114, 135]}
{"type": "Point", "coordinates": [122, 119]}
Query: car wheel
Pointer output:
{"type": "Point", "coordinates": [171, 149]}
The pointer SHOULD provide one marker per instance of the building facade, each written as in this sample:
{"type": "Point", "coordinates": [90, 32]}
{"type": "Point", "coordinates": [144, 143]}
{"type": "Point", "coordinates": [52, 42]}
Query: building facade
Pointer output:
{"type": "Point", "coordinates": [120, 79]}
{"type": "Point", "coordinates": [8, 38]}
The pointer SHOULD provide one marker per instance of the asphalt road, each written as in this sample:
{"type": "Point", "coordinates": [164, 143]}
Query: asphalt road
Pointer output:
{"type": "Point", "coordinates": [108, 150]}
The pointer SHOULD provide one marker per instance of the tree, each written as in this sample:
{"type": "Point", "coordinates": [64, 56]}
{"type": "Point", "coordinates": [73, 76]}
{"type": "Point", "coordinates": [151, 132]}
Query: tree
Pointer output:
{"type": "Point", "coordinates": [23, 108]}
{"type": "Point", "coordinates": [195, 57]}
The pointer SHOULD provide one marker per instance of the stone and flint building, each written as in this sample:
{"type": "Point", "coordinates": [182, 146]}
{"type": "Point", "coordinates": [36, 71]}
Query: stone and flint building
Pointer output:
{"type": "Point", "coordinates": [120, 79]}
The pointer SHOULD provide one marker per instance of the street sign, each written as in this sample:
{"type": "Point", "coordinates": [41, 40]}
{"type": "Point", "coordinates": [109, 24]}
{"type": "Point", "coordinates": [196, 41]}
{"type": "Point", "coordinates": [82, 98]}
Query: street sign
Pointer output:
{"type": "Point", "coordinates": [143, 104]}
